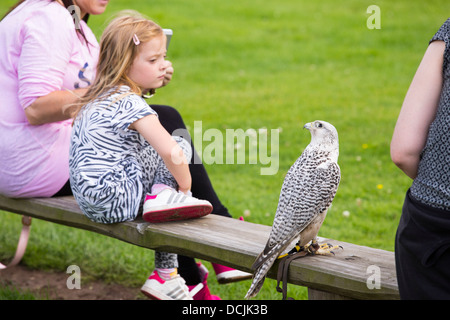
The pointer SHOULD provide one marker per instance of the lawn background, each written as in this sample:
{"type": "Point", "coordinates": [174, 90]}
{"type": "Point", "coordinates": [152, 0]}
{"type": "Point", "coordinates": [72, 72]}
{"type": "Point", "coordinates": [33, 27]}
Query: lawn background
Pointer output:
{"type": "Point", "coordinates": [254, 64]}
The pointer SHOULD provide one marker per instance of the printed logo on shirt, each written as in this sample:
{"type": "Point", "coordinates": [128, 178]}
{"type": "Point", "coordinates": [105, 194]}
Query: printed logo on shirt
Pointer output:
{"type": "Point", "coordinates": [82, 77]}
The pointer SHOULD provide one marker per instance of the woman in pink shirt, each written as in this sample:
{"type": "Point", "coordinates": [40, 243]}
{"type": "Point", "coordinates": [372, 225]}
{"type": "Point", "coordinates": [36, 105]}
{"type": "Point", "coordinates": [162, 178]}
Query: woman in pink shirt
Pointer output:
{"type": "Point", "coordinates": [45, 63]}
{"type": "Point", "coordinates": [48, 57]}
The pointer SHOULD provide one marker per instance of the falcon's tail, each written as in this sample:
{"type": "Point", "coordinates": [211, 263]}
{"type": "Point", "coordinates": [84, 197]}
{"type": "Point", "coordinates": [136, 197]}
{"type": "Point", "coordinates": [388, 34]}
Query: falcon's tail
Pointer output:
{"type": "Point", "coordinates": [259, 276]}
{"type": "Point", "coordinates": [255, 287]}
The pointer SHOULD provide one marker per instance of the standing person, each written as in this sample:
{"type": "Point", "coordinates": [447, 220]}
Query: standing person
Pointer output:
{"type": "Point", "coordinates": [420, 147]}
{"type": "Point", "coordinates": [119, 150]}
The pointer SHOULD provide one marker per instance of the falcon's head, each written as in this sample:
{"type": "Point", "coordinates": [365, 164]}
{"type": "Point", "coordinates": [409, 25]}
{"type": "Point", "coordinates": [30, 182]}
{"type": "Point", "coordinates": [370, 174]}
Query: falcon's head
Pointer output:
{"type": "Point", "coordinates": [323, 134]}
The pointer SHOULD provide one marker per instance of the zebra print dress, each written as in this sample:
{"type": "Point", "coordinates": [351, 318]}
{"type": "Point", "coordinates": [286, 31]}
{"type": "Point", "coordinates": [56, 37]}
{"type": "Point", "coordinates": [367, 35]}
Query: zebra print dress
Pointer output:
{"type": "Point", "coordinates": [112, 166]}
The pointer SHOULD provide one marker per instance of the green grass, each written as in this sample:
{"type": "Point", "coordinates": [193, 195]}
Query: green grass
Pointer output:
{"type": "Point", "coordinates": [9, 292]}
{"type": "Point", "coordinates": [253, 64]}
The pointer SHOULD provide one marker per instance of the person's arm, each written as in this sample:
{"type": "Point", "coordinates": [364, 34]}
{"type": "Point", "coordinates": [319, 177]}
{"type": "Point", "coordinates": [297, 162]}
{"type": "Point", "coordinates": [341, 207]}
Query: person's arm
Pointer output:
{"type": "Point", "coordinates": [52, 107]}
{"type": "Point", "coordinates": [418, 111]}
{"type": "Point", "coordinates": [169, 150]}
{"type": "Point", "coordinates": [46, 52]}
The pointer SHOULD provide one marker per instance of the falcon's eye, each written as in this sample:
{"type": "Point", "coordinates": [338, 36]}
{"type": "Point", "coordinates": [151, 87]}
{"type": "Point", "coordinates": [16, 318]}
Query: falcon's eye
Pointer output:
{"type": "Point", "coordinates": [319, 125]}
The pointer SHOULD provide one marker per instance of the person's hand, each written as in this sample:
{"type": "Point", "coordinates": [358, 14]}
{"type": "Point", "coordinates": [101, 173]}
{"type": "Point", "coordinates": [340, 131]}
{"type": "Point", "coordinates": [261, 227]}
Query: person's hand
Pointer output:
{"type": "Point", "coordinates": [169, 73]}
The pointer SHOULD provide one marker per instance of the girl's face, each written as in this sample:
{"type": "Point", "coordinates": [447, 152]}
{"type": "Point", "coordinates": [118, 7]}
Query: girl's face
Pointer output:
{"type": "Point", "coordinates": [149, 66]}
{"type": "Point", "coordinates": [91, 6]}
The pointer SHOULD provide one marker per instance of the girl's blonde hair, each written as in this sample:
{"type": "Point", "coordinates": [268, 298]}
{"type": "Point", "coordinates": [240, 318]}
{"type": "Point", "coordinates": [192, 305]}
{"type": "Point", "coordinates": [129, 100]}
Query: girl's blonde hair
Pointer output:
{"type": "Point", "coordinates": [118, 49]}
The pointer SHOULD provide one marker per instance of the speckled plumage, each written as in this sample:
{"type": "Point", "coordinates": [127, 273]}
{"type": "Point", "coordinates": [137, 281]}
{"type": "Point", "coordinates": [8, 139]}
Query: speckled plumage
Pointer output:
{"type": "Point", "coordinates": [307, 192]}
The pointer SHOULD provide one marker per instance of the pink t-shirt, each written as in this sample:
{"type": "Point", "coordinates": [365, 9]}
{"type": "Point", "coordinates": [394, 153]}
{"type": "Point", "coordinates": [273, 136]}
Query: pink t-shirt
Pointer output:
{"type": "Point", "coordinates": [40, 52]}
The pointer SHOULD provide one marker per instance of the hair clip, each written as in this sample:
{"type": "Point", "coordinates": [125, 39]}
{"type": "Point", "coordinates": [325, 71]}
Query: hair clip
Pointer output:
{"type": "Point", "coordinates": [136, 40]}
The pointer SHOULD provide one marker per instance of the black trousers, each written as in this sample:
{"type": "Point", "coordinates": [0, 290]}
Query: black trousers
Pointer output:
{"type": "Point", "coordinates": [201, 188]}
{"type": "Point", "coordinates": [422, 255]}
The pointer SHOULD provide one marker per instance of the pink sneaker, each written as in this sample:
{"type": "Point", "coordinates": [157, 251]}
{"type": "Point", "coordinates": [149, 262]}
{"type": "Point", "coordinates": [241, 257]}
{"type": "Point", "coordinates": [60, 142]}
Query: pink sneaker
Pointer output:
{"type": "Point", "coordinates": [170, 205]}
{"type": "Point", "coordinates": [159, 289]}
{"type": "Point", "coordinates": [226, 274]}
{"type": "Point", "coordinates": [203, 293]}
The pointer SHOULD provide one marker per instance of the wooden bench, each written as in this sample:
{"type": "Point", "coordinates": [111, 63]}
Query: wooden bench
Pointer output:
{"type": "Point", "coordinates": [234, 243]}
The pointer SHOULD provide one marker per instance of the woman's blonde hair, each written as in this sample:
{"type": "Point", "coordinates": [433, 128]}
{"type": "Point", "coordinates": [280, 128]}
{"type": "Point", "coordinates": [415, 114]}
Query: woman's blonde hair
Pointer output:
{"type": "Point", "coordinates": [118, 49]}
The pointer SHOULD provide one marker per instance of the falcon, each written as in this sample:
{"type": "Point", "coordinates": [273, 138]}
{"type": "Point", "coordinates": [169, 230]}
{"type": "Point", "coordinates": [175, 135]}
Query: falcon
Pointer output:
{"type": "Point", "coordinates": [307, 192]}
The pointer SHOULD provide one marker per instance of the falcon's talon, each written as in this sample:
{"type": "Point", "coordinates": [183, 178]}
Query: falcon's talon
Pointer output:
{"type": "Point", "coordinates": [327, 249]}
{"type": "Point", "coordinates": [321, 249]}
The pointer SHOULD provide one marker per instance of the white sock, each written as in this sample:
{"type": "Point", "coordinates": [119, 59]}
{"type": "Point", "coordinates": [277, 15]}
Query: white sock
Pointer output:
{"type": "Point", "coordinates": [167, 274]}
{"type": "Point", "coordinates": [157, 188]}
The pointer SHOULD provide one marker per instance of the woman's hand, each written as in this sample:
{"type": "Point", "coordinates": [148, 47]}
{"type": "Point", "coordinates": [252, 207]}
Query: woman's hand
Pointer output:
{"type": "Point", "coordinates": [169, 73]}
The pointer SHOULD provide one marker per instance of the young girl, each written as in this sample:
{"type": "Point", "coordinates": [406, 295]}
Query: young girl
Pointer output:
{"type": "Point", "coordinates": [119, 151]}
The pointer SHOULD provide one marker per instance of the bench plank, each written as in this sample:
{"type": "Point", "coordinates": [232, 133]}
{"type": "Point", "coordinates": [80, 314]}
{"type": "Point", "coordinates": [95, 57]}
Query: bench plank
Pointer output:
{"type": "Point", "coordinates": [231, 242]}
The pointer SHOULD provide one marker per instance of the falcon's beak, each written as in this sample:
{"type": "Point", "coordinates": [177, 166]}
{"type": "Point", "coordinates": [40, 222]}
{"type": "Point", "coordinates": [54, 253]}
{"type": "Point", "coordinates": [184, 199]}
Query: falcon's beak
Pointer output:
{"type": "Point", "coordinates": [307, 126]}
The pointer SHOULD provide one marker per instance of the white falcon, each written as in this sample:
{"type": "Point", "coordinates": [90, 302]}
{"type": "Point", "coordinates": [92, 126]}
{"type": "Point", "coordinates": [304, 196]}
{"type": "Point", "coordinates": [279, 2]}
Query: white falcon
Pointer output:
{"type": "Point", "coordinates": [307, 192]}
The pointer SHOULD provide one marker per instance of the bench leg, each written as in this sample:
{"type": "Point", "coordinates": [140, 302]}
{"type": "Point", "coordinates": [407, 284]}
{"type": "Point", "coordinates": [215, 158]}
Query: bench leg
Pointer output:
{"type": "Point", "coordinates": [22, 245]}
